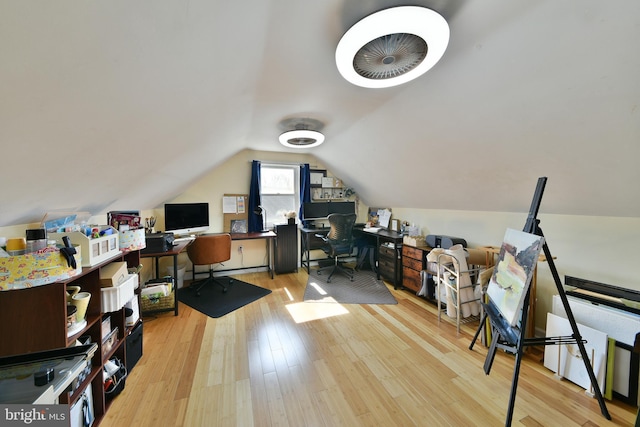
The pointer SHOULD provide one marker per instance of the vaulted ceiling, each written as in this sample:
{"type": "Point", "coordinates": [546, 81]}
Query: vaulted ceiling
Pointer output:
{"type": "Point", "coordinates": [126, 103]}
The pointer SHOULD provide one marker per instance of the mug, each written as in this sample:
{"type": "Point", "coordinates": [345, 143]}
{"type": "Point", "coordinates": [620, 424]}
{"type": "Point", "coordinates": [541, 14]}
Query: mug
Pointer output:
{"type": "Point", "coordinates": [71, 291]}
{"type": "Point", "coordinates": [81, 301]}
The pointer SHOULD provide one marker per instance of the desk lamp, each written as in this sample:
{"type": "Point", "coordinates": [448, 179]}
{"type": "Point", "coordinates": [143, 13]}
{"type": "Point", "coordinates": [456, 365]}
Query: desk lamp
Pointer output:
{"type": "Point", "coordinates": [260, 210]}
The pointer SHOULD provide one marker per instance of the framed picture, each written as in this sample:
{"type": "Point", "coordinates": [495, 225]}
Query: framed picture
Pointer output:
{"type": "Point", "coordinates": [238, 226]}
{"type": "Point", "coordinates": [379, 217]}
{"type": "Point", "coordinates": [512, 274]}
{"type": "Point", "coordinates": [328, 182]}
{"type": "Point", "coordinates": [316, 177]}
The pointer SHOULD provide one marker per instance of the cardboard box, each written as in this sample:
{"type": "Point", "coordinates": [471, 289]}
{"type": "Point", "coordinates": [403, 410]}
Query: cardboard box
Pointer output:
{"type": "Point", "coordinates": [414, 240]}
{"type": "Point", "coordinates": [113, 274]}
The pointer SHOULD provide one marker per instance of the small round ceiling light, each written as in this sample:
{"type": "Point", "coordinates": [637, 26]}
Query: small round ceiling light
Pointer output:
{"type": "Point", "coordinates": [392, 46]}
{"type": "Point", "coordinates": [301, 132]}
{"type": "Point", "coordinates": [301, 138]}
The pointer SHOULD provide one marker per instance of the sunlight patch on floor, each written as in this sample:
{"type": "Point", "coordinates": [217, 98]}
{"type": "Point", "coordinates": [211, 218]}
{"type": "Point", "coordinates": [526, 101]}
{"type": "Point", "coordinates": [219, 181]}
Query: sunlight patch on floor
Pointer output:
{"type": "Point", "coordinates": [288, 294]}
{"type": "Point", "coordinates": [317, 287]}
{"type": "Point", "coordinates": [305, 312]}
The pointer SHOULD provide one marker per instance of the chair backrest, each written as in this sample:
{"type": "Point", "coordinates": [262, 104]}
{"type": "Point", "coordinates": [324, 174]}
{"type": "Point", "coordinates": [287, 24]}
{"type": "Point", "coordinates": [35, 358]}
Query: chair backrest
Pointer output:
{"type": "Point", "coordinates": [341, 231]}
{"type": "Point", "coordinates": [210, 249]}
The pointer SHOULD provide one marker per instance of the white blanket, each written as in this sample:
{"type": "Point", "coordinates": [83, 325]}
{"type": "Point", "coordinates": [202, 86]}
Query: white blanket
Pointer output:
{"type": "Point", "coordinates": [469, 306]}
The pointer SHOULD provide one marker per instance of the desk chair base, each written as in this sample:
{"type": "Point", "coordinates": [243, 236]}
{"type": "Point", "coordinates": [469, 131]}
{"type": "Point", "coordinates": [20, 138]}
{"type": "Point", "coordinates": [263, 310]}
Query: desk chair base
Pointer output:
{"type": "Point", "coordinates": [211, 280]}
{"type": "Point", "coordinates": [338, 267]}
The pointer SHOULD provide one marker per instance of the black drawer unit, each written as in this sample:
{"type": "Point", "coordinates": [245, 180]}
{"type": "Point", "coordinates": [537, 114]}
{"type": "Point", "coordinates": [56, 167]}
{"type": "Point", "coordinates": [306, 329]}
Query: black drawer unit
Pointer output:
{"type": "Point", "coordinates": [286, 250]}
{"type": "Point", "coordinates": [390, 263]}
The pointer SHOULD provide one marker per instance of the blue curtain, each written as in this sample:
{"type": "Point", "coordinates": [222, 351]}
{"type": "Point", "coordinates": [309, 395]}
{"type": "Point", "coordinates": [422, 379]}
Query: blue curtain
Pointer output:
{"type": "Point", "coordinates": [255, 221]}
{"type": "Point", "coordinates": [305, 186]}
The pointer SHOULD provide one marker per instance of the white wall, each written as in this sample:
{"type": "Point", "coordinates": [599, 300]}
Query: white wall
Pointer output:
{"type": "Point", "coordinates": [602, 249]}
{"type": "Point", "coordinates": [232, 177]}
{"type": "Point", "coordinates": [597, 248]}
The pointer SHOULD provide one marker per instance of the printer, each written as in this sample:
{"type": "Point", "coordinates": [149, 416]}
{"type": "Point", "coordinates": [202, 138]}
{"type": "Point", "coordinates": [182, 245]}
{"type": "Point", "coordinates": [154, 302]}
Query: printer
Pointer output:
{"type": "Point", "coordinates": [158, 242]}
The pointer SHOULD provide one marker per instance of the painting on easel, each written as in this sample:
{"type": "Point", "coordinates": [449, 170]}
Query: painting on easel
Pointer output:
{"type": "Point", "coordinates": [511, 277]}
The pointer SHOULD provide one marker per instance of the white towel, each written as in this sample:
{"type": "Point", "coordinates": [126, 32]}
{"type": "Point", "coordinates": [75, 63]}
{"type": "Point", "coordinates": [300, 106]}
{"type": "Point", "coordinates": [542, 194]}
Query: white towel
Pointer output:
{"type": "Point", "coordinates": [468, 305]}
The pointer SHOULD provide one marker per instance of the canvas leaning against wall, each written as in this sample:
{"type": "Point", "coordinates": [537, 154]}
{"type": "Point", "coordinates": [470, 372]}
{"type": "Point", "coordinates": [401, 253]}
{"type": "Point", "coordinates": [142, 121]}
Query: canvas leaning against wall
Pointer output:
{"type": "Point", "coordinates": [511, 277]}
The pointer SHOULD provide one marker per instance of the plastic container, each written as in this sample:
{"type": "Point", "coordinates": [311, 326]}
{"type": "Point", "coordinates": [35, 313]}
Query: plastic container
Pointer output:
{"type": "Point", "coordinates": [36, 239]}
{"type": "Point", "coordinates": [114, 298]}
{"type": "Point", "coordinates": [181, 270]}
{"type": "Point", "coordinates": [16, 246]}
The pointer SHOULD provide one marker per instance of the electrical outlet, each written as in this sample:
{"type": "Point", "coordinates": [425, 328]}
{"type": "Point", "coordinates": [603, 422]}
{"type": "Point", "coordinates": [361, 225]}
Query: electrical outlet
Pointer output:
{"type": "Point", "coordinates": [240, 249]}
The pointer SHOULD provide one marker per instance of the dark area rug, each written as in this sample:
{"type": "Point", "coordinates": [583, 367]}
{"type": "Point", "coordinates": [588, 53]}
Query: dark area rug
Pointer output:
{"type": "Point", "coordinates": [215, 303]}
{"type": "Point", "coordinates": [365, 289]}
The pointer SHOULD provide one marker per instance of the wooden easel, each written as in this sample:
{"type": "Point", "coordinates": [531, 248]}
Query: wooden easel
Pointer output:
{"type": "Point", "coordinates": [512, 339]}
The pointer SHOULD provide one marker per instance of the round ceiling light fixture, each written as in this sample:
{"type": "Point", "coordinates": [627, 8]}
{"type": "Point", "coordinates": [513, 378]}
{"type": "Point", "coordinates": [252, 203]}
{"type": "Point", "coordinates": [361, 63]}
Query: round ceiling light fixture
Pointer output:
{"type": "Point", "coordinates": [302, 133]}
{"type": "Point", "coordinates": [301, 138]}
{"type": "Point", "coordinates": [392, 46]}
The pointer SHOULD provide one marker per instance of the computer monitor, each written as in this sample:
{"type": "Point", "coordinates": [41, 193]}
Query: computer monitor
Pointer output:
{"type": "Point", "coordinates": [186, 218]}
{"type": "Point", "coordinates": [314, 211]}
{"type": "Point", "coordinates": [342, 207]}
{"type": "Point", "coordinates": [321, 210]}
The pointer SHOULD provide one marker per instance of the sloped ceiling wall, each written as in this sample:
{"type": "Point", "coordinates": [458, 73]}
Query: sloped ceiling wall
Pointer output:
{"type": "Point", "coordinates": [109, 105]}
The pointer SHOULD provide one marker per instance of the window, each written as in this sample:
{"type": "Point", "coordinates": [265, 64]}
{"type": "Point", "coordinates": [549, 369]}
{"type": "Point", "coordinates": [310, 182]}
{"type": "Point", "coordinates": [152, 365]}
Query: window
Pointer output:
{"type": "Point", "coordinates": [279, 191]}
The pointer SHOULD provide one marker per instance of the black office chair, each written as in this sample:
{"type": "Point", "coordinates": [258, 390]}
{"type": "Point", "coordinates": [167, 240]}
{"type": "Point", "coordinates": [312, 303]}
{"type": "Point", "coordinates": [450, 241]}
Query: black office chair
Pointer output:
{"type": "Point", "coordinates": [210, 249]}
{"type": "Point", "coordinates": [339, 243]}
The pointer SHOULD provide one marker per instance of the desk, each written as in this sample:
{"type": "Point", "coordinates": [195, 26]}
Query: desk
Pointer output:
{"type": "Point", "coordinates": [174, 252]}
{"type": "Point", "coordinates": [388, 246]}
{"type": "Point", "coordinates": [389, 259]}
{"type": "Point", "coordinates": [309, 242]}
{"type": "Point", "coordinates": [267, 235]}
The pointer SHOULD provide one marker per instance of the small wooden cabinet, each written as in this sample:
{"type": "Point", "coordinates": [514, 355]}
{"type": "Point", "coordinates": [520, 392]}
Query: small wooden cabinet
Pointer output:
{"type": "Point", "coordinates": [414, 260]}
{"type": "Point", "coordinates": [35, 319]}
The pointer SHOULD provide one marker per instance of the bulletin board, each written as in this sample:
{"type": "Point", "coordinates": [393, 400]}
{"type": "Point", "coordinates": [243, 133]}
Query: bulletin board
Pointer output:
{"type": "Point", "coordinates": [234, 210]}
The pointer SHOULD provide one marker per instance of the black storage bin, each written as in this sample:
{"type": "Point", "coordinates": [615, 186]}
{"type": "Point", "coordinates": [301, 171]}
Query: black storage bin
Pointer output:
{"type": "Point", "coordinates": [117, 381]}
{"type": "Point", "coordinates": [133, 347]}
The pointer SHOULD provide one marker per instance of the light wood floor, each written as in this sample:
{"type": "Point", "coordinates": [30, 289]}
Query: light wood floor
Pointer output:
{"type": "Point", "coordinates": [371, 365]}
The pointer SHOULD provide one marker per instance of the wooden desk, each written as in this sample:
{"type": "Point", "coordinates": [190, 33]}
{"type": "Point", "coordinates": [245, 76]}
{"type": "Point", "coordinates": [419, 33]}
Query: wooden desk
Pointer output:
{"type": "Point", "coordinates": [267, 235]}
{"type": "Point", "coordinates": [174, 252]}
